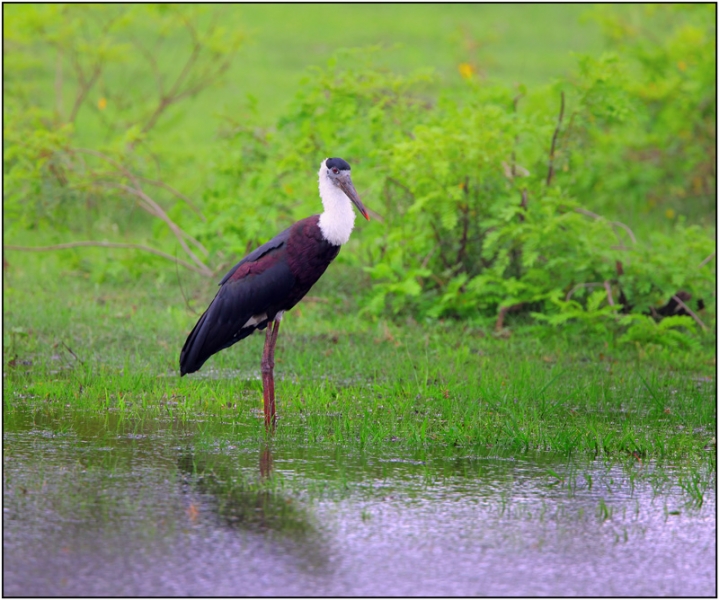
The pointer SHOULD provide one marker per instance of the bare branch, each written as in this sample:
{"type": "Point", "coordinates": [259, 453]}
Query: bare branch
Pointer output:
{"type": "Point", "coordinates": [167, 99]}
{"type": "Point", "coordinates": [155, 209]}
{"type": "Point", "coordinates": [71, 352]}
{"type": "Point", "coordinates": [183, 80]}
{"type": "Point", "coordinates": [707, 259]}
{"type": "Point", "coordinates": [499, 324]}
{"type": "Point", "coordinates": [203, 271]}
{"type": "Point", "coordinates": [589, 213]}
{"type": "Point", "coordinates": [182, 291]}
{"type": "Point", "coordinates": [608, 287]}
{"type": "Point", "coordinates": [196, 86]}
{"type": "Point", "coordinates": [689, 311]}
{"type": "Point", "coordinates": [550, 173]}
{"type": "Point", "coordinates": [85, 86]}
{"type": "Point", "coordinates": [180, 195]}
{"type": "Point", "coordinates": [149, 204]}
{"type": "Point", "coordinates": [630, 233]}
{"type": "Point", "coordinates": [164, 103]}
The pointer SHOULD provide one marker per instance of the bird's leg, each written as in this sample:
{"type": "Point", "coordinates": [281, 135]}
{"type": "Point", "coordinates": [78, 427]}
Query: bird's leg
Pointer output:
{"type": "Point", "coordinates": [268, 380]}
{"type": "Point", "coordinates": [268, 365]}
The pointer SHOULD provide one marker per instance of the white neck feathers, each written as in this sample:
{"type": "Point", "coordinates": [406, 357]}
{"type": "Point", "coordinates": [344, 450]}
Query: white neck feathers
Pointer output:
{"type": "Point", "coordinates": [338, 218]}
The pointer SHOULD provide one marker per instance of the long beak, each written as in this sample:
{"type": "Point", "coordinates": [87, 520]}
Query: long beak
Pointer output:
{"type": "Point", "coordinates": [349, 189]}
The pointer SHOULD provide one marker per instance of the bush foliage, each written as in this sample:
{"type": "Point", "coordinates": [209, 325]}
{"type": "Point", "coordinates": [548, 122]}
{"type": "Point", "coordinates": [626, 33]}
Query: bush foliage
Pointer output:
{"type": "Point", "coordinates": [497, 200]}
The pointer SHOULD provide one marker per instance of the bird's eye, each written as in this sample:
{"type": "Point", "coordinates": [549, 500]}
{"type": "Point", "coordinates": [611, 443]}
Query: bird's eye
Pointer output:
{"type": "Point", "coordinates": [335, 171]}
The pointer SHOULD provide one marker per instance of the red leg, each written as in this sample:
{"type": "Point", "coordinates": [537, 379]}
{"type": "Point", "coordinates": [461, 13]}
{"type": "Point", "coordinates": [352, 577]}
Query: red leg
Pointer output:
{"type": "Point", "coordinates": [268, 379]}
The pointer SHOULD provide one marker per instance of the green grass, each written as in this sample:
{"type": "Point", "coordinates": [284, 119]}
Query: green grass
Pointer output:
{"type": "Point", "coordinates": [71, 345]}
{"type": "Point", "coordinates": [89, 354]}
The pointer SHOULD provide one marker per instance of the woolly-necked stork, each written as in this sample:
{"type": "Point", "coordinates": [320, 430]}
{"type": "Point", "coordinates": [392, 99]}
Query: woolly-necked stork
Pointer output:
{"type": "Point", "coordinates": [275, 277]}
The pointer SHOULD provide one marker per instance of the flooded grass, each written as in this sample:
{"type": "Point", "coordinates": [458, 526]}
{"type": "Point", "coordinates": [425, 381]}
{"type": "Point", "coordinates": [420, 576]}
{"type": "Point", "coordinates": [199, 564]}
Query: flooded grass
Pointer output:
{"type": "Point", "coordinates": [408, 460]}
{"type": "Point", "coordinates": [500, 401]}
{"type": "Point", "coordinates": [167, 507]}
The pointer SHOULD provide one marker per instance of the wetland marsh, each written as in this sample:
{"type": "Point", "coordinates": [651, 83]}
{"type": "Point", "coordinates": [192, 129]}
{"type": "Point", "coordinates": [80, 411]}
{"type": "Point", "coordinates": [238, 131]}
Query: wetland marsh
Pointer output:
{"type": "Point", "coordinates": [106, 506]}
{"type": "Point", "coordinates": [409, 460]}
{"type": "Point", "coordinates": [493, 391]}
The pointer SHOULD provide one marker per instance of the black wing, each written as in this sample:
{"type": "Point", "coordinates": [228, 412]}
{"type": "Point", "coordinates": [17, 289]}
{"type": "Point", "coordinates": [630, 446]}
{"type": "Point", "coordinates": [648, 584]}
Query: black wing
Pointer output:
{"type": "Point", "coordinates": [262, 281]}
{"type": "Point", "coordinates": [275, 243]}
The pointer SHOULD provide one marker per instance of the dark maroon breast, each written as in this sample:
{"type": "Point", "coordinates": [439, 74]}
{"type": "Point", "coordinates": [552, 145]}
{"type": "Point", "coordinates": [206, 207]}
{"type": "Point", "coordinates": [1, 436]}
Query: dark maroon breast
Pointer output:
{"type": "Point", "coordinates": [308, 256]}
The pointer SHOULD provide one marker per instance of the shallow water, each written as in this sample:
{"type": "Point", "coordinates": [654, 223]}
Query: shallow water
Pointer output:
{"type": "Point", "coordinates": [102, 506]}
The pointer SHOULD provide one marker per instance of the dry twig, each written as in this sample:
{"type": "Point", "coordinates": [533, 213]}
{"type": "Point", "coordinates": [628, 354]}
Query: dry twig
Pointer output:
{"type": "Point", "coordinates": [707, 259]}
{"type": "Point", "coordinates": [75, 356]}
{"type": "Point", "coordinates": [148, 204]}
{"type": "Point", "coordinates": [614, 224]}
{"type": "Point", "coordinates": [503, 313]}
{"type": "Point", "coordinates": [608, 287]}
{"type": "Point", "coordinates": [177, 193]}
{"type": "Point", "coordinates": [689, 311]}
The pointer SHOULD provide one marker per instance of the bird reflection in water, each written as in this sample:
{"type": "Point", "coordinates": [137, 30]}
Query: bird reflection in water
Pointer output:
{"type": "Point", "coordinates": [265, 462]}
{"type": "Point", "coordinates": [254, 502]}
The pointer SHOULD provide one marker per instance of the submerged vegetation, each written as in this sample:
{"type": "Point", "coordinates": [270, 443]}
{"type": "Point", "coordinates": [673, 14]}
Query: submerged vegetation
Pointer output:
{"type": "Point", "coordinates": [539, 274]}
{"type": "Point", "coordinates": [361, 383]}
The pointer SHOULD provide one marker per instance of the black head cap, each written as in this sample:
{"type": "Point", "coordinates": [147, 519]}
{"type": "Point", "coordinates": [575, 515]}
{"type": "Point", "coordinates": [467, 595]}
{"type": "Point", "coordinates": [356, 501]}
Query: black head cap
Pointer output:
{"type": "Point", "coordinates": [337, 163]}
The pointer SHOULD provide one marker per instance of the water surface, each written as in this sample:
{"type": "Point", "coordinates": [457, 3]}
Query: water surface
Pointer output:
{"type": "Point", "coordinates": [100, 506]}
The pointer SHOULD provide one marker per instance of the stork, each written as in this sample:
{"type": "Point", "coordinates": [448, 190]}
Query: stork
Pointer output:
{"type": "Point", "coordinates": [273, 278]}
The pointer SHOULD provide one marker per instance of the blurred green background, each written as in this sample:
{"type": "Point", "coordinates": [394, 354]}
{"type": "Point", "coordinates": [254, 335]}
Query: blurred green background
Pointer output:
{"type": "Point", "coordinates": [196, 132]}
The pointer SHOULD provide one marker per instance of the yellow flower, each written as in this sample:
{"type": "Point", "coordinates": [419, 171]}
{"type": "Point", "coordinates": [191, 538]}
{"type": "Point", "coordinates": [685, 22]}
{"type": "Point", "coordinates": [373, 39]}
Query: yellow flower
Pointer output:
{"type": "Point", "coordinates": [669, 213]}
{"type": "Point", "coordinates": [466, 70]}
{"type": "Point", "coordinates": [102, 103]}
{"type": "Point", "coordinates": [682, 65]}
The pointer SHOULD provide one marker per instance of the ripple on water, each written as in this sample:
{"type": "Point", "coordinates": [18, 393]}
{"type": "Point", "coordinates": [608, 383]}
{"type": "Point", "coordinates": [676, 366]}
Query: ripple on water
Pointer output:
{"type": "Point", "coordinates": [163, 514]}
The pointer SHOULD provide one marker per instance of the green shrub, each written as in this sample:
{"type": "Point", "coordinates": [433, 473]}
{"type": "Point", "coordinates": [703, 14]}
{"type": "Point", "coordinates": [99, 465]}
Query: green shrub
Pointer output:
{"type": "Point", "coordinates": [86, 89]}
{"type": "Point", "coordinates": [486, 203]}
{"type": "Point", "coordinates": [663, 158]}
{"type": "Point", "coordinates": [470, 220]}
{"type": "Point", "coordinates": [266, 179]}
